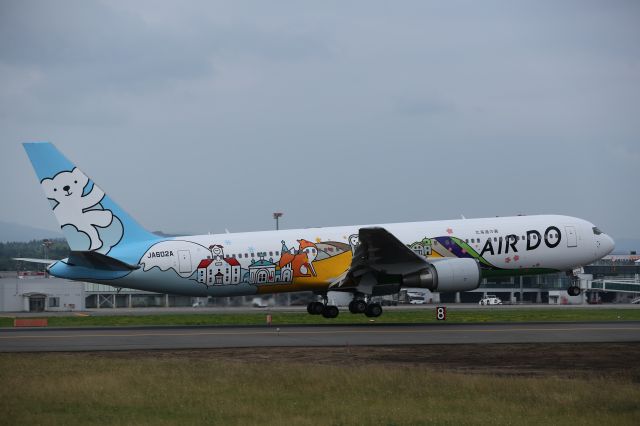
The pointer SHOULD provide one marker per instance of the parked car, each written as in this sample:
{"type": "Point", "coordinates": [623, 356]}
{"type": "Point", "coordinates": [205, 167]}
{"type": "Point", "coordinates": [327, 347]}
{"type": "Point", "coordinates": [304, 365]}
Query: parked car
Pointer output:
{"type": "Point", "coordinates": [258, 303]}
{"type": "Point", "coordinates": [490, 300]}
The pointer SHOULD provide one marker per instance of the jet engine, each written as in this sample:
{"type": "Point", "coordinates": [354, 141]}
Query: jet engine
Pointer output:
{"type": "Point", "coordinates": [446, 275]}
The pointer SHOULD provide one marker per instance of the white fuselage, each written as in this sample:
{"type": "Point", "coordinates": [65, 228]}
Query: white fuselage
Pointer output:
{"type": "Point", "coordinates": [311, 259]}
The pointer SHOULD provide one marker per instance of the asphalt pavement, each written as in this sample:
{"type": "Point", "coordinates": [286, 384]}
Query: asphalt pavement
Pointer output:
{"type": "Point", "coordinates": [146, 338]}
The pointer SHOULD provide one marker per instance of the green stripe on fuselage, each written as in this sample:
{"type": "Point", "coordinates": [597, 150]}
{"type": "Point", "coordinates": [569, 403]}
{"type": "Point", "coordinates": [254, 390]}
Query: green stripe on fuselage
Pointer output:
{"type": "Point", "coordinates": [471, 251]}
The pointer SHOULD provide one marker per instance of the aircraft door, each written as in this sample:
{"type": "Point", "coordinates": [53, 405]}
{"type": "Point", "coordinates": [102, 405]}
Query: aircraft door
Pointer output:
{"type": "Point", "coordinates": [572, 238]}
{"type": "Point", "coordinates": [184, 259]}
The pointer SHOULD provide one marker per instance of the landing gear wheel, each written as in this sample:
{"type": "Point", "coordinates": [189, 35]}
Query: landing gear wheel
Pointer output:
{"type": "Point", "coordinates": [373, 310]}
{"type": "Point", "coordinates": [357, 306]}
{"type": "Point", "coordinates": [330, 311]}
{"type": "Point", "coordinates": [315, 308]}
{"type": "Point", "coordinates": [573, 290]}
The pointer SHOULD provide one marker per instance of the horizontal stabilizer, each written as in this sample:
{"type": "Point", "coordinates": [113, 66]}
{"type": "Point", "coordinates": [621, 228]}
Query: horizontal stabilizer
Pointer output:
{"type": "Point", "coordinates": [95, 260]}
{"type": "Point", "coordinates": [30, 260]}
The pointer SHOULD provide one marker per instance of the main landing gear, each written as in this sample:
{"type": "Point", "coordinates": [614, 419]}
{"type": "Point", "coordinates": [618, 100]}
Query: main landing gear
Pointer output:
{"type": "Point", "coordinates": [319, 308]}
{"type": "Point", "coordinates": [356, 306]}
{"type": "Point", "coordinates": [360, 306]}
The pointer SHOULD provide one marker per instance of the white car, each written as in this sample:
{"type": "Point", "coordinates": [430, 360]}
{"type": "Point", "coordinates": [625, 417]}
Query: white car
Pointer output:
{"type": "Point", "coordinates": [258, 303]}
{"type": "Point", "coordinates": [490, 300]}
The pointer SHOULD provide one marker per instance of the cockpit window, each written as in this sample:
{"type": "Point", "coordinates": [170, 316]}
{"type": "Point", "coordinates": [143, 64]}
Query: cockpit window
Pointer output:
{"type": "Point", "coordinates": [596, 230]}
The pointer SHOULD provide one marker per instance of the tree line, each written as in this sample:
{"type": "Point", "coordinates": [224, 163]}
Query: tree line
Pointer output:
{"type": "Point", "coordinates": [56, 249]}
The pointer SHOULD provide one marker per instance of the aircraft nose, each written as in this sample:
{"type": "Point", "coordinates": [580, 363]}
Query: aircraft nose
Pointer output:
{"type": "Point", "coordinates": [607, 245]}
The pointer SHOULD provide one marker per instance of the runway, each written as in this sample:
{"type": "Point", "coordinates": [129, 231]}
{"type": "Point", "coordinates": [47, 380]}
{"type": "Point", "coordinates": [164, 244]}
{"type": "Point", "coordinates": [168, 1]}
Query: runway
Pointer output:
{"type": "Point", "coordinates": [145, 338]}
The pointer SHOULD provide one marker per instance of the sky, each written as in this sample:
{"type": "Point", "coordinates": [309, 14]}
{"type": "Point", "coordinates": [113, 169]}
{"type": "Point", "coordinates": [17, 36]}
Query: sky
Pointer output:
{"type": "Point", "coordinates": [198, 117]}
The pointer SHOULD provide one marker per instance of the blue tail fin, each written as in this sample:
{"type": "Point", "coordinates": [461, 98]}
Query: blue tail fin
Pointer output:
{"type": "Point", "coordinates": [89, 219]}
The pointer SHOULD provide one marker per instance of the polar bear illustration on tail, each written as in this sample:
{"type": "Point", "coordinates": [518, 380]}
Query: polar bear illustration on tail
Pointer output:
{"type": "Point", "coordinates": [73, 207]}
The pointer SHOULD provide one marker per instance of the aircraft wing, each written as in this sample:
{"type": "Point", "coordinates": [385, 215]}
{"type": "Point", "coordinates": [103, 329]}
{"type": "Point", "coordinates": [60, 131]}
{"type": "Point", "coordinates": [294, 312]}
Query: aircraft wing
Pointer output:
{"type": "Point", "coordinates": [380, 247]}
{"type": "Point", "coordinates": [379, 253]}
{"type": "Point", "coordinates": [30, 260]}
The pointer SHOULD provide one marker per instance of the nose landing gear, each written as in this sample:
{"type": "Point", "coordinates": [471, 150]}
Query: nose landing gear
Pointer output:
{"type": "Point", "coordinates": [574, 290]}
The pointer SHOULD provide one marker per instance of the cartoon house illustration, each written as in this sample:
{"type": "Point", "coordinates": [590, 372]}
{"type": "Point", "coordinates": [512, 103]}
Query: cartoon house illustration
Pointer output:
{"type": "Point", "coordinates": [286, 273]}
{"type": "Point", "coordinates": [285, 266]}
{"type": "Point", "coordinates": [218, 270]}
{"type": "Point", "coordinates": [203, 272]}
{"type": "Point", "coordinates": [422, 248]}
{"type": "Point", "coordinates": [262, 271]}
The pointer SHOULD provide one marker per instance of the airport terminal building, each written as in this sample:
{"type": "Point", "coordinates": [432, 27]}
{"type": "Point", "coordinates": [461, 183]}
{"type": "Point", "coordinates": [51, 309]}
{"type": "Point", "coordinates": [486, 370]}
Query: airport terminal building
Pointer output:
{"type": "Point", "coordinates": [36, 292]}
{"type": "Point", "coordinates": [614, 279]}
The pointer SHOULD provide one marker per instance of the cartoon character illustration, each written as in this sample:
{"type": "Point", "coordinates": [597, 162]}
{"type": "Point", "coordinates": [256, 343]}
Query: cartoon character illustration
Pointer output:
{"type": "Point", "coordinates": [300, 261]}
{"type": "Point", "coordinates": [217, 252]}
{"type": "Point", "coordinates": [73, 207]}
{"type": "Point", "coordinates": [354, 242]}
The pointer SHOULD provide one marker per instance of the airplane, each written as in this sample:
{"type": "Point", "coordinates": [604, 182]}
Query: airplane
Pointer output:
{"type": "Point", "coordinates": [107, 246]}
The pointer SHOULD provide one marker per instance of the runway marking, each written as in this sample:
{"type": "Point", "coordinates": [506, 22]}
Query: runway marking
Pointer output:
{"type": "Point", "coordinates": [314, 332]}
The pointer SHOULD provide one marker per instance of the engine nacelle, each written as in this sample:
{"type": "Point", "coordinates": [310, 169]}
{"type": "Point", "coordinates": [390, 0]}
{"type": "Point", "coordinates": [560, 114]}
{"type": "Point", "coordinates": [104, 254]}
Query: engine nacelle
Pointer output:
{"type": "Point", "coordinates": [446, 275]}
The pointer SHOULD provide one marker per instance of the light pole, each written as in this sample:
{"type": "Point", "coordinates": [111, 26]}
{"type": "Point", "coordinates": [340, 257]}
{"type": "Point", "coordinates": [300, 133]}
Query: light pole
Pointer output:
{"type": "Point", "coordinates": [46, 243]}
{"type": "Point", "coordinates": [277, 216]}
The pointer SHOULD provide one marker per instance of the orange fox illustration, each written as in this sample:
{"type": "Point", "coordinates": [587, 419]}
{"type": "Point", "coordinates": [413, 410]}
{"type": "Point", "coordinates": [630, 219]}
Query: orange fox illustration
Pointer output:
{"type": "Point", "coordinates": [301, 262]}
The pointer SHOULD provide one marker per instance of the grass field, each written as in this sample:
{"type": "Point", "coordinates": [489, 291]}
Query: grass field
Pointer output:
{"type": "Point", "coordinates": [390, 316]}
{"type": "Point", "coordinates": [70, 389]}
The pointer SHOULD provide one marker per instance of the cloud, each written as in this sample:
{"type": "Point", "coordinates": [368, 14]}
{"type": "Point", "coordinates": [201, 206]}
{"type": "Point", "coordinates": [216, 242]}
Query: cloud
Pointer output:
{"type": "Point", "coordinates": [423, 106]}
{"type": "Point", "coordinates": [324, 110]}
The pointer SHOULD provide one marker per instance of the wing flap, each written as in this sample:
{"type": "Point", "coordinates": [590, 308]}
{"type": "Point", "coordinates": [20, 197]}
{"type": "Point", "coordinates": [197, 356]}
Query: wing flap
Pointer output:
{"type": "Point", "coordinates": [378, 257]}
